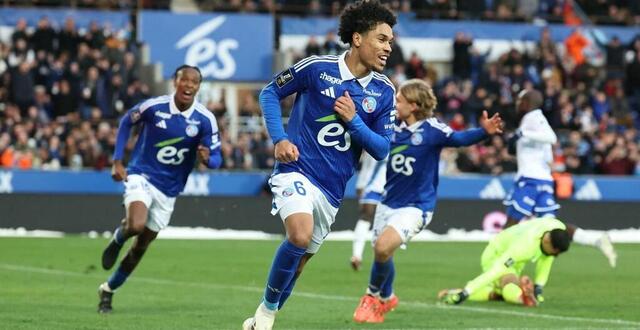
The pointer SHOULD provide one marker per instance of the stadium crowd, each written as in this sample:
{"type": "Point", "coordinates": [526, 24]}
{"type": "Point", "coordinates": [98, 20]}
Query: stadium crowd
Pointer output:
{"type": "Point", "coordinates": [62, 91]}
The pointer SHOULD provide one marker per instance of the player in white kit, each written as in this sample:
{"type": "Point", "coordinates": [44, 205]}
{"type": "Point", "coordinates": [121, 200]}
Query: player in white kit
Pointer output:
{"type": "Point", "coordinates": [533, 194]}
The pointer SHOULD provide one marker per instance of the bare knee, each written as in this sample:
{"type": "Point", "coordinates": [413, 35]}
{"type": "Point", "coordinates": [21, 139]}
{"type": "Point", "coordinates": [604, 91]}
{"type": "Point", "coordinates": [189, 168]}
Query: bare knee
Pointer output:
{"type": "Point", "coordinates": [383, 251]}
{"type": "Point", "coordinates": [134, 227]}
{"type": "Point", "coordinates": [300, 239]}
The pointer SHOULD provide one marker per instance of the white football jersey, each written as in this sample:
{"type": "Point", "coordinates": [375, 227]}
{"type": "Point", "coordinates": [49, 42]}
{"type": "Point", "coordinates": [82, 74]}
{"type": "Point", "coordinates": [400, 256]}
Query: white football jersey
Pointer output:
{"type": "Point", "coordinates": [534, 148]}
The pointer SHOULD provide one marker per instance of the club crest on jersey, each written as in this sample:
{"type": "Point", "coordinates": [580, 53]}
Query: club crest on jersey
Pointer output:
{"type": "Point", "coordinates": [416, 139]}
{"type": "Point", "coordinates": [192, 130]}
{"type": "Point", "coordinates": [369, 104]}
{"type": "Point", "coordinates": [287, 192]}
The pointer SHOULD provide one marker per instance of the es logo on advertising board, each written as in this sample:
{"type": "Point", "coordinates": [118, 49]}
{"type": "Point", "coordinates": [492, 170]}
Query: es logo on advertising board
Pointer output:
{"type": "Point", "coordinates": [212, 56]}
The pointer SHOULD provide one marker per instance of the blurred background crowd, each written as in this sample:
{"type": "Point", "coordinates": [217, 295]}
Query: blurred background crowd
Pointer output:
{"type": "Point", "coordinates": [62, 89]}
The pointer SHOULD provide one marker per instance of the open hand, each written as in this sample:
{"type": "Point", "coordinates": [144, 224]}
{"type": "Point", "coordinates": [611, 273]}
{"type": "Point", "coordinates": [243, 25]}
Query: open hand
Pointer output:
{"type": "Point", "coordinates": [493, 125]}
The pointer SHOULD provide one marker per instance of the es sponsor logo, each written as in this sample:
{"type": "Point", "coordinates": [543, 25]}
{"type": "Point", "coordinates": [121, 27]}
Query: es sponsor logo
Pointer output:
{"type": "Point", "coordinates": [212, 56]}
{"type": "Point", "coordinates": [6, 185]}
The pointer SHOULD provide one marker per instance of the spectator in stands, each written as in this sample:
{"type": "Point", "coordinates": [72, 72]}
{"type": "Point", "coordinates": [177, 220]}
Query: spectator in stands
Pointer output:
{"type": "Point", "coordinates": [461, 55]}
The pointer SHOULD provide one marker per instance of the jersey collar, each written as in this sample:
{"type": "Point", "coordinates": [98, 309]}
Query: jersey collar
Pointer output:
{"type": "Point", "coordinates": [173, 108]}
{"type": "Point", "coordinates": [414, 127]}
{"type": "Point", "coordinates": [346, 74]}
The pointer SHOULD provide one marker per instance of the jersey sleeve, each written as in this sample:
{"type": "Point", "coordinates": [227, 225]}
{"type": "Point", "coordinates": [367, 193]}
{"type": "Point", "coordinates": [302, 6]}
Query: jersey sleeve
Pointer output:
{"type": "Point", "coordinates": [537, 128]}
{"type": "Point", "coordinates": [211, 139]}
{"type": "Point", "coordinates": [141, 112]}
{"type": "Point", "coordinates": [440, 132]}
{"type": "Point", "coordinates": [515, 255]}
{"type": "Point", "coordinates": [543, 269]}
{"type": "Point", "coordinates": [292, 80]}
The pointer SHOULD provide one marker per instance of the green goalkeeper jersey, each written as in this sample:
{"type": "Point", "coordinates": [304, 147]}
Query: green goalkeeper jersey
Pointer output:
{"type": "Point", "coordinates": [510, 251]}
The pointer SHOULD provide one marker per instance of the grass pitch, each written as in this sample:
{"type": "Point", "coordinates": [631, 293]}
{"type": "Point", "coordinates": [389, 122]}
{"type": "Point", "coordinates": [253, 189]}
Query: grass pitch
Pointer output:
{"type": "Point", "coordinates": [52, 284]}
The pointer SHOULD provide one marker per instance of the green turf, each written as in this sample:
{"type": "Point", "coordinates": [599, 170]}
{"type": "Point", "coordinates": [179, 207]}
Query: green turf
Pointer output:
{"type": "Point", "coordinates": [52, 283]}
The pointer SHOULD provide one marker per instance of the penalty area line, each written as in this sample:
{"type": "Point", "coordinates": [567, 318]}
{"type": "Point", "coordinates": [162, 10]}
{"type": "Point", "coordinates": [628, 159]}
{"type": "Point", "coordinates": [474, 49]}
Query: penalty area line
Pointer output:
{"type": "Point", "coordinates": [410, 304]}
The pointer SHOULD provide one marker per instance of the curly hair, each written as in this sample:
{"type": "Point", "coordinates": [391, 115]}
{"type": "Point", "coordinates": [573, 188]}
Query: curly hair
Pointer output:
{"type": "Point", "coordinates": [419, 92]}
{"type": "Point", "coordinates": [363, 16]}
{"type": "Point", "coordinates": [185, 66]}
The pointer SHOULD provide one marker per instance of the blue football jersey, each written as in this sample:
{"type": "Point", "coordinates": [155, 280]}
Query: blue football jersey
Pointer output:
{"type": "Point", "coordinates": [412, 169]}
{"type": "Point", "coordinates": [165, 152]}
{"type": "Point", "coordinates": [328, 155]}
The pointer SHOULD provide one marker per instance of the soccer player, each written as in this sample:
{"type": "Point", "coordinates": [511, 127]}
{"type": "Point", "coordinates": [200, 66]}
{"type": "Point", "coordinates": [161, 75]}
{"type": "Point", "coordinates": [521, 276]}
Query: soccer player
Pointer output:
{"type": "Point", "coordinates": [504, 258]}
{"type": "Point", "coordinates": [175, 130]}
{"type": "Point", "coordinates": [343, 105]}
{"type": "Point", "coordinates": [533, 192]}
{"type": "Point", "coordinates": [410, 192]}
{"type": "Point", "coordinates": [370, 186]}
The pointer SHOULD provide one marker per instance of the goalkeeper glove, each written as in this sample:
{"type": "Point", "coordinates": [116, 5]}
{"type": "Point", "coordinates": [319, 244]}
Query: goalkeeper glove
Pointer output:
{"type": "Point", "coordinates": [513, 141]}
{"type": "Point", "coordinates": [455, 297]}
{"type": "Point", "coordinates": [537, 291]}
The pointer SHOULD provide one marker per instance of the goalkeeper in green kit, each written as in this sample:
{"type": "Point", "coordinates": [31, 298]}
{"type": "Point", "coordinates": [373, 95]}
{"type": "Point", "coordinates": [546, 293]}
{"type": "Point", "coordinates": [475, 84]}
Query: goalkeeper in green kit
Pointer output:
{"type": "Point", "coordinates": [503, 260]}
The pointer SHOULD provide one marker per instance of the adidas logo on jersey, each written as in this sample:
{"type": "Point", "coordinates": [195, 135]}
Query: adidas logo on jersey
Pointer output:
{"type": "Point", "coordinates": [162, 124]}
{"type": "Point", "coordinates": [589, 191]}
{"type": "Point", "coordinates": [329, 92]}
{"type": "Point", "coordinates": [493, 190]}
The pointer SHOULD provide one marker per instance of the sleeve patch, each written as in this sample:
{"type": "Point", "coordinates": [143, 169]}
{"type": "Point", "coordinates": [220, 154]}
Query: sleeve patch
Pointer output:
{"type": "Point", "coordinates": [509, 262]}
{"type": "Point", "coordinates": [284, 78]}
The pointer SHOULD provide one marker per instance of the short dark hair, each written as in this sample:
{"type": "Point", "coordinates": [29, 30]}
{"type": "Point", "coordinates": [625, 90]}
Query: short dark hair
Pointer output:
{"type": "Point", "coordinates": [560, 239]}
{"type": "Point", "coordinates": [186, 66]}
{"type": "Point", "coordinates": [363, 16]}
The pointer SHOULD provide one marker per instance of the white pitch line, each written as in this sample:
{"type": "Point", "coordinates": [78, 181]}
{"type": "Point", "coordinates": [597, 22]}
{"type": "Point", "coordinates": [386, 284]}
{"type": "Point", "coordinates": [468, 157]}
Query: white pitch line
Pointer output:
{"type": "Point", "coordinates": [411, 304]}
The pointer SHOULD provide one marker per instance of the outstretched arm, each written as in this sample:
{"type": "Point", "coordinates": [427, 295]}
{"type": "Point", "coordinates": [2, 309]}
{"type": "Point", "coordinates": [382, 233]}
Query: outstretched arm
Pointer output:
{"type": "Point", "coordinates": [468, 137]}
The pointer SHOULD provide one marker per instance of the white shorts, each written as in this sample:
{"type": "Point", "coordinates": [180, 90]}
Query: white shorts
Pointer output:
{"type": "Point", "coordinates": [367, 164]}
{"type": "Point", "coordinates": [159, 205]}
{"type": "Point", "coordinates": [294, 193]}
{"type": "Point", "coordinates": [407, 221]}
{"type": "Point", "coordinates": [372, 193]}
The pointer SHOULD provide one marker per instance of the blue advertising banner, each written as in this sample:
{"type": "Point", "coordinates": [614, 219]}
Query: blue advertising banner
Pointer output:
{"type": "Point", "coordinates": [117, 20]}
{"type": "Point", "coordinates": [218, 183]}
{"type": "Point", "coordinates": [232, 47]}
{"type": "Point", "coordinates": [411, 28]}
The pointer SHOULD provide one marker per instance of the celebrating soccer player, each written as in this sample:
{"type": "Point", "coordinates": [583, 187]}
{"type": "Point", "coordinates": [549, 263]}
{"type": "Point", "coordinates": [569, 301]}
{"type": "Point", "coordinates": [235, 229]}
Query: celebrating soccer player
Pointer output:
{"type": "Point", "coordinates": [506, 256]}
{"type": "Point", "coordinates": [410, 192]}
{"type": "Point", "coordinates": [176, 129]}
{"type": "Point", "coordinates": [343, 105]}
{"type": "Point", "coordinates": [533, 191]}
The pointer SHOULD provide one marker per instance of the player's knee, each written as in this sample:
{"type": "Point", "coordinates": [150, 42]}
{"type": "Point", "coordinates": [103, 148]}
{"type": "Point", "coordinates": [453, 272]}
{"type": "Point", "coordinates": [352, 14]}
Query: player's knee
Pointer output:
{"type": "Point", "coordinates": [134, 228]}
{"type": "Point", "coordinates": [382, 251]}
{"type": "Point", "coordinates": [301, 240]}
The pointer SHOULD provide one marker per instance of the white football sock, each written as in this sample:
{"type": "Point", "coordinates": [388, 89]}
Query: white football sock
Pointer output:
{"type": "Point", "coordinates": [586, 237]}
{"type": "Point", "coordinates": [360, 235]}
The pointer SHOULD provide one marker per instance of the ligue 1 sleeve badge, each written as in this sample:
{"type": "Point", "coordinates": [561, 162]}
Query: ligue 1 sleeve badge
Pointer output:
{"type": "Point", "coordinates": [369, 104]}
{"type": "Point", "coordinates": [192, 130]}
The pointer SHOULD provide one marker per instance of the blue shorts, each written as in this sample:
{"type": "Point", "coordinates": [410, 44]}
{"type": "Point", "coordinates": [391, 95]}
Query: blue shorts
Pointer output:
{"type": "Point", "coordinates": [531, 197]}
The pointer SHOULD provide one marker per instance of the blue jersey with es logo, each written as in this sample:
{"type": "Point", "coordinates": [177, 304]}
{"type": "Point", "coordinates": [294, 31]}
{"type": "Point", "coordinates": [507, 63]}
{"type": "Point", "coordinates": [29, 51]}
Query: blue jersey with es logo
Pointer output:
{"type": "Point", "coordinates": [328, 155]}
{"type": "Point", "coordinates": [412, 169]}
{"type": "Point", "coordinates": [165, 152]}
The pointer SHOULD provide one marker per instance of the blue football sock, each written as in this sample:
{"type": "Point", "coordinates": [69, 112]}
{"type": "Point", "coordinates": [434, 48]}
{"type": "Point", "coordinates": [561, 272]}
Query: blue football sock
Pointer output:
{"type": "Point", "coordinates": [283, 269]}
{"type": "Point", "coordinates": [118, 236]}
{"type": "Point", "coordinates": [387, 286]}
{"type": "Point", "coordinates": [287, 292]}
{"type": "Point", "coordinates": [117, 278]}
{"type": "Point", "coordinates": [379, 273]}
